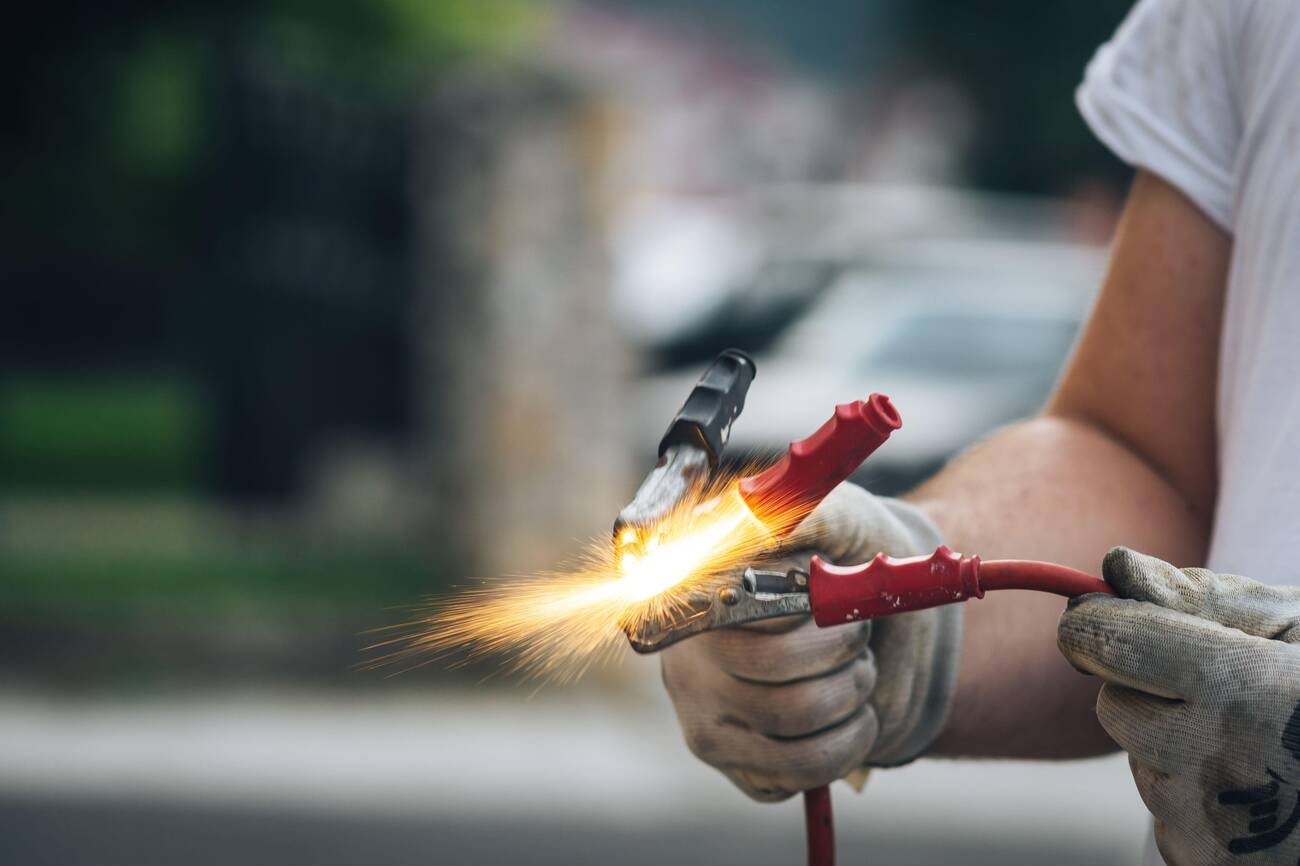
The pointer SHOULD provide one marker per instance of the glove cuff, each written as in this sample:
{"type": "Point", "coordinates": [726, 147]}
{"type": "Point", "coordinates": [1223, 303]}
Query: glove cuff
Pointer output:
{"type": "Point", "coordinates": [934, 697]}
{"type": "Point", "coordinates": [933, 639]}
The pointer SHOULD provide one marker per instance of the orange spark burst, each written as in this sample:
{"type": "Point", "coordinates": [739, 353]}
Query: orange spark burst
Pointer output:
{"type": "Point", "coordinates": [558, 624]}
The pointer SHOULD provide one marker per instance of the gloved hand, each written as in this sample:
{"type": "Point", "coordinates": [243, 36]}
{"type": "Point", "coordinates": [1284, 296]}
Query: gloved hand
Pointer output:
{"type": "Point", "coordinates": [1202, 690]}
{"type": "Point", "coordinates": [782, 706]}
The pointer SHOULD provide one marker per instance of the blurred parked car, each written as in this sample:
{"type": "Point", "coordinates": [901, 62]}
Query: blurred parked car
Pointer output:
{"type": "Point", "coordinates": [964, 335]}
{"type": "Point", "coordinates": [691, 273]}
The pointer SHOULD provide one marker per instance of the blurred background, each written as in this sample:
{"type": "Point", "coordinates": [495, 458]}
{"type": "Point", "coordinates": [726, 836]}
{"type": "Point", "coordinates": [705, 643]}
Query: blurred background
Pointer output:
{"type": "Point", "coordinates": [313, 309]}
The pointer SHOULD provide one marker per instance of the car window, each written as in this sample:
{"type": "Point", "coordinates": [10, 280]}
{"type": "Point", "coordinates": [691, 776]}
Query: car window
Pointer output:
{"type": "Point", "coordinates": [965, 345]}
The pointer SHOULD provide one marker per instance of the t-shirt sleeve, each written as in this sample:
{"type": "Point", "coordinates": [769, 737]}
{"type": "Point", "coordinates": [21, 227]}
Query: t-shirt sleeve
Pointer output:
{"type": "Point", "coordinates": [1162, 96]}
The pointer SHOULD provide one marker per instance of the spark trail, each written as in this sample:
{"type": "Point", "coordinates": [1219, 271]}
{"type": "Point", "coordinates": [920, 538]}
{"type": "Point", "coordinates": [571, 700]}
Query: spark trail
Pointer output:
{"type": "Point", "coordinates": [558, 624]}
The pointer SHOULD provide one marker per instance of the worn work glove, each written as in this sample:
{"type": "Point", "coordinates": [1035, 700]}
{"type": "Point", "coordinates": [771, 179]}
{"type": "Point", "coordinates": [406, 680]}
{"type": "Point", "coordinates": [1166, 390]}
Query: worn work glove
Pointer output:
{"type": "Point", "coordinates": [1202, 690]}
{"type": "Point", "coordinates": [782, 706]}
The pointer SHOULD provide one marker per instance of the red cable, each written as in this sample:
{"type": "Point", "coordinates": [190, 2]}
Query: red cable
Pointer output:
{"type": "Point", "coordinates": [887, 586]}
{"type": "Point", "coordinates": [1039, 576]}
{"type": "Point", "coordinates": [820, 826]}
{"type": "Point", "coordinates": [785, 493]}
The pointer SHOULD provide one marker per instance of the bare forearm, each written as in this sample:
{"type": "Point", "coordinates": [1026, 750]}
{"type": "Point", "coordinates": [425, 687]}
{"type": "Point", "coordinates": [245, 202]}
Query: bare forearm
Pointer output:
{"type": "Point", "coordinates": [1060, 490]}
{"type": "Point", "coordinates": [1124, 455]}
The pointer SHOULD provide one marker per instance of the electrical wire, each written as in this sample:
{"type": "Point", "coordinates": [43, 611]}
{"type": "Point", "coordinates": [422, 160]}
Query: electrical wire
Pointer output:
{"type": "Point", "coordinates": [996, 574]}
{"type": "Point", "coordinates": [820, 825]}
{"type": "Point", "coordinates": [1040, 577]}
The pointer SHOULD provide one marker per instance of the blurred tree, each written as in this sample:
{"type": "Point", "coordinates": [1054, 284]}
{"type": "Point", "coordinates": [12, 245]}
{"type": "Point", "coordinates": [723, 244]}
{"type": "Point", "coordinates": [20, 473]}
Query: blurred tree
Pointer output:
{"type": "Point", "coordinates": [834, 39]}
{"type": "Point", "coordinates": [1018, 61]}
{"type": "Point", "coordinates": [216, 193]}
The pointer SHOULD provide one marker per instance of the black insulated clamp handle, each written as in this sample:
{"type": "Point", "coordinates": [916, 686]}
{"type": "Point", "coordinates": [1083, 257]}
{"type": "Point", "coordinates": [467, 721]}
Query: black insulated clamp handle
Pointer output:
{"type": "Point", "coordinates": [705, 419]}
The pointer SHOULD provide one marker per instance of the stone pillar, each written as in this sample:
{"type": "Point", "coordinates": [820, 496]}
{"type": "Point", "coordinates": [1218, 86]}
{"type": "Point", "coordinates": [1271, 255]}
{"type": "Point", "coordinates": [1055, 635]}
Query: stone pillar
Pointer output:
{"type": "Point", "coordinates": [519, 367]}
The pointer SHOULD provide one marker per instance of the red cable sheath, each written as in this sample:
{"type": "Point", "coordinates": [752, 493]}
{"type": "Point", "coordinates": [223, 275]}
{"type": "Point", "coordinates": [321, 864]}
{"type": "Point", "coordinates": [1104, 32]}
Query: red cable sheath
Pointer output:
{"type": "Point", "coordinates": [785, 493]}
{"type": "Point", "coordinates": [1039, 576]}
{"type": "Point", "coordinates": [820, 827]}
{"type": "Point", "coordinates": [886, 586]}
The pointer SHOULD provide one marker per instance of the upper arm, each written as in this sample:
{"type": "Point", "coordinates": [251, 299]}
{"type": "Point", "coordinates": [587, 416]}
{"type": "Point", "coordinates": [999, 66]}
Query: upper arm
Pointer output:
{"type": "Point", "coordinates": [1145, 369]}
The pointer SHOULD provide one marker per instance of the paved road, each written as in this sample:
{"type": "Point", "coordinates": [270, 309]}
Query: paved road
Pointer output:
{"type": "Point", "coordinates": [570, 776]}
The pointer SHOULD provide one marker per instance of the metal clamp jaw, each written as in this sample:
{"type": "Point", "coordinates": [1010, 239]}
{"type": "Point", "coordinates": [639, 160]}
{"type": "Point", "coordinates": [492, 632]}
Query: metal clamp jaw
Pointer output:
{"type": "Point", "coordinates": [690, 449]}
{"type": "Point", "coordinates": [728, 602]}
{"type": "Point", "coordinates": [779, 497]}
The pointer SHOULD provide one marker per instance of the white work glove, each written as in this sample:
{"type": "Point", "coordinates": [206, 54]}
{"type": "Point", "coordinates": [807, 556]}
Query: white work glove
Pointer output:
{"type": "Point", "coordinates": [783, 706]}
{"type": "Point", "coordinates": [1202, 690]}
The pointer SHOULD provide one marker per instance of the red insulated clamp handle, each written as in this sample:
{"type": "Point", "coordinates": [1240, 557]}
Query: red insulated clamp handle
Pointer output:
{"type": "Point", "coordinates": [784, 494]}
{"type": "Point", "coordinates": [885, 585]}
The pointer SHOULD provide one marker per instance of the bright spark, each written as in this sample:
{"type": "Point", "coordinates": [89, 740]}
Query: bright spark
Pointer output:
{"type": "Point", "coordinates": [558, 624]}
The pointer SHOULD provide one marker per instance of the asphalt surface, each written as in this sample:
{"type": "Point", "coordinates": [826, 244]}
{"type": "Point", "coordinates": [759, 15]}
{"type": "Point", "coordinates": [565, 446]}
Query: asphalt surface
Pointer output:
{"type": "Point", "coordinates": [570, 776]}
{"type": "Point", "coordinates": [77, 831]}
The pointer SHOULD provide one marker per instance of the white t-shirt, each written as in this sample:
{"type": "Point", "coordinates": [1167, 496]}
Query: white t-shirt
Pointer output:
{"type": "Point", "coordinates": [1206, 94]}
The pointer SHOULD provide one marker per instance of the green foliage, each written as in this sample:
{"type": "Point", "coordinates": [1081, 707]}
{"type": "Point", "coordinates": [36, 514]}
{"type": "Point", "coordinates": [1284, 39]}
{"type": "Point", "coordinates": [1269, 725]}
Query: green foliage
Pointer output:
{"type": "Point", "coordinates": [88, 435]}
{"type": "Point", "coordinates": [157, 122]}
{"type": "Point", "coordinates": [390, 44]}
{"type": "Point", "coordinates": [251, 579]}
